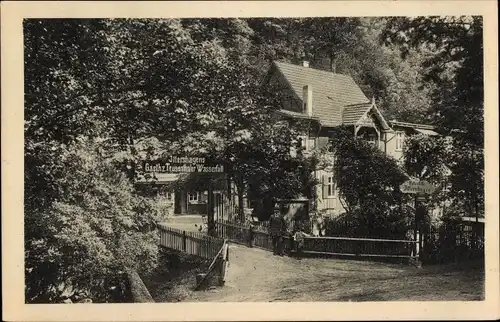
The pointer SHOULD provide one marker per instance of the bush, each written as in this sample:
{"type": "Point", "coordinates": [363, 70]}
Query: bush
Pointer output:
{"type": "Point", "coordinates": [95, 228]}
{"type": "Point", "coordinates": [393, 224]}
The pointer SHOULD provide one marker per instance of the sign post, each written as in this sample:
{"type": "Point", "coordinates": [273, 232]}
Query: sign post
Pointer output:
{"type": "Point", "coordinates": [413, 186]}
{"type": "Point", "coordinates": [420, 189]}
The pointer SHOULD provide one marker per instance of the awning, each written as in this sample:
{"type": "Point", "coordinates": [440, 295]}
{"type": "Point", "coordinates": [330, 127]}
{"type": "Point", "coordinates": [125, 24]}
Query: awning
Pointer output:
{"type": "Point", "coordinates": [427, 132]}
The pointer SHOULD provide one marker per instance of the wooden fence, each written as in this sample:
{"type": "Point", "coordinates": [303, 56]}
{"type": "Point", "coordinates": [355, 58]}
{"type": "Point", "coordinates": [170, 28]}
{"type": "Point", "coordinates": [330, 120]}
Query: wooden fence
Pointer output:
{"type": "Point", "coordinates": [366, 247]}
{"type": "Point", "coordinates": [217, 269]}
{"type": "Point", "coordinates": [191, 243]}
{"type": "Point", "coordinates": [345, 246]}
{"type": "Point", "coordinates": [453, 244]}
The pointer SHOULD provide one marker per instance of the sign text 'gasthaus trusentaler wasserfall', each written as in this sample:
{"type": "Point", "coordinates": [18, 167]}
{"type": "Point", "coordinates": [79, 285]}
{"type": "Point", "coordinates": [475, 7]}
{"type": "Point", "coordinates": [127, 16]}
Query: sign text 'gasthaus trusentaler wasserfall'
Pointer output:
{"type": "Point", "coordinates": [182, 164]}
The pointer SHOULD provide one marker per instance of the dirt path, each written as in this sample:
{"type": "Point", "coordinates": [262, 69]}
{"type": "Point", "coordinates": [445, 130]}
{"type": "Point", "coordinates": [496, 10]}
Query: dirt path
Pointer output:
{"type": "Point", "coordinates": [257, 275]}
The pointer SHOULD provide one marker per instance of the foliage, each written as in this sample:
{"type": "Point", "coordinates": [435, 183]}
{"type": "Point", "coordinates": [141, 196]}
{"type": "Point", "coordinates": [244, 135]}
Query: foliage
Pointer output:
{"type": "Point", "coordinates": [150, 87]}
{"type": "Point", "coordinates": [394, 223]}
{"type": "Point", "coordinates": [425, 157]}
{"type": "Point", "coordinates": [368, 180]}
{"type": "Point", "coordinates": [95, 229]}
{"type": "Point", "coordinates": [125, 80]}
{"type": "Point", "coordinates": [363, 172]}
{"type": "Point", "coordinates": [455, 65]}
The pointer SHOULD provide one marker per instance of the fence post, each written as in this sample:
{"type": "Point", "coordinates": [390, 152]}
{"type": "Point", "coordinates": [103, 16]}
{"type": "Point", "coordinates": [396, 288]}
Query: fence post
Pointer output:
{"type": "Point", "coordinates": [184, 238]}
{"type": "Point", "coordinates": [417, 246]}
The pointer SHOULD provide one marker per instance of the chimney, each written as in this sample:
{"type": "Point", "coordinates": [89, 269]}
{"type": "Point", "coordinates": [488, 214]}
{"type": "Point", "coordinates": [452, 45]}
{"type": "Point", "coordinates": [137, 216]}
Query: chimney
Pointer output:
{"type": "Point", "coordinates": [307, 99]}
{"type": "Point", "coordinates": [305, 63]}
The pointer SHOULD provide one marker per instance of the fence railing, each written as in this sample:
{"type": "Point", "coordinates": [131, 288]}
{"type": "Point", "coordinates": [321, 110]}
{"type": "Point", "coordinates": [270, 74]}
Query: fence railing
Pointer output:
{"type": "Point", "coordinates": [217, 268]}
{"type": "Point", "coordinates": [345, 246]}
{"type": "Point", "coordinates": [248, 234]}
{"type": "Point", "coordinates": [192, 243]}
{"type": "Point", "coordinates": [366, 247]}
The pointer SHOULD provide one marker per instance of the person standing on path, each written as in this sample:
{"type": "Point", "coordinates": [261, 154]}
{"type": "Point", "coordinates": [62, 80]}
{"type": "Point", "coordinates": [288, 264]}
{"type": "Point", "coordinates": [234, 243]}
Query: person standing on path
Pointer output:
{"type": "Point", "coordinates": [276, 230]}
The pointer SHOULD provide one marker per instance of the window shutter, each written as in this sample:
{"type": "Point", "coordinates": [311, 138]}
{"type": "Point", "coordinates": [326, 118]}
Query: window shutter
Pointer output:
{"type": "Point", "coordinates": [325, 187]}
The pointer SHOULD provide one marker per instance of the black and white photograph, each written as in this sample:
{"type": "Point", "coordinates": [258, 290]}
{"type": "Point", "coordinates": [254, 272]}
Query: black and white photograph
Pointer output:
{"type": "Point", "coordinates": [254, 159]}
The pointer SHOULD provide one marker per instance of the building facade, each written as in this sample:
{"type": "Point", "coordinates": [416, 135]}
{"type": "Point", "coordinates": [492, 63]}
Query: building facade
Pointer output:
{"type": "Point", "coordinates": [324, 101]}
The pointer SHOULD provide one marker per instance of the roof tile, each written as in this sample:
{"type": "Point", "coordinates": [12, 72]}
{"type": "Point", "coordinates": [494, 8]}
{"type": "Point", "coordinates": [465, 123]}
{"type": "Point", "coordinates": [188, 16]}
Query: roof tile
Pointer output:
{"type": "Point", "coordinates": [331, 92]}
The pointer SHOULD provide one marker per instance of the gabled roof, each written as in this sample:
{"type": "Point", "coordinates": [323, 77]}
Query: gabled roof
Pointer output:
{"type": "Point", "coordinates": [331, 92]}
{"type": "Point", "coordinates": [353, 113]}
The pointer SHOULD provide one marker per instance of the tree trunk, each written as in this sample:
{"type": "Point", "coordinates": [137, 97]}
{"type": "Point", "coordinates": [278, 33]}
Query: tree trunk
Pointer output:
{"type": "Point", "coordinates": [333, 62]}
{"type": "Point", "coordinates": [370, 224]}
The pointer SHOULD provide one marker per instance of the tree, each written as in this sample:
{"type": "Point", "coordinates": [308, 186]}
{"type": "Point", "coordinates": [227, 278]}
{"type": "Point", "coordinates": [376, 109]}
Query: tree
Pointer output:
{"type": "Point", "coordinates": [426, 158]}
{"type": "Point", "coordinates": [455, 65]}
{"type": "Point", "coordinates": [330, 38]}
{"type": "Point", "coordinates": [367, 179]}
{"type": "Point", "coordinates": [95, 230]}
{"type": "Point", "coordinates": [127, 81]}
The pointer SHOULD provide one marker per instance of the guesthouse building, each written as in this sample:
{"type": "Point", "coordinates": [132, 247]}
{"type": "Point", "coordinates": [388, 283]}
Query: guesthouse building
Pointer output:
{"type": "Point", "coordinates": [324, 100]}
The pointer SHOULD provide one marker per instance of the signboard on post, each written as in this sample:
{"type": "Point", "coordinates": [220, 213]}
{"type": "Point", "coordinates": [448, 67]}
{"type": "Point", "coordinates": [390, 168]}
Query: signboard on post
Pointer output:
{"type": "Point", "coordinates": [417, 187]}
{"type": "Point", "coordinates": [420, 189]}
{"type": "Point", "coordinates": [421, 198]}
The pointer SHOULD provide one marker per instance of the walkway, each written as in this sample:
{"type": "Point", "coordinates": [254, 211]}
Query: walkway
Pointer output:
{"type": "Point", "coordinates": [184, 222]}
{"type": "Point", "coordinates": [257, 275]}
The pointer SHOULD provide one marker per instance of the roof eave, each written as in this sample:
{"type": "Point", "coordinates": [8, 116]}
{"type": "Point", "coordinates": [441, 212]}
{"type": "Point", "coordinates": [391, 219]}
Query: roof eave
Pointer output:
{"type": "Point", "coordinates": [298, 115]}
{"type": "Point", "coordinates": [413, 125]}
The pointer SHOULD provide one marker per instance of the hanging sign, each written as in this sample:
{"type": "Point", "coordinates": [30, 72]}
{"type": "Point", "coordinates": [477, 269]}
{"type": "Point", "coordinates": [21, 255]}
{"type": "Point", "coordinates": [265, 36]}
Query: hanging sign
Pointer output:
{"type": "Point", "coordinates": [417, 187]}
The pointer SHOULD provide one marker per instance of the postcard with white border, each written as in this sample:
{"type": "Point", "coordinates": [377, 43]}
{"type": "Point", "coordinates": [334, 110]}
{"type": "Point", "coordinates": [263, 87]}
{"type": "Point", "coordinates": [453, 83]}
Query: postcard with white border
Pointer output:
{"type": "Point", "coordinates": [249, 160]}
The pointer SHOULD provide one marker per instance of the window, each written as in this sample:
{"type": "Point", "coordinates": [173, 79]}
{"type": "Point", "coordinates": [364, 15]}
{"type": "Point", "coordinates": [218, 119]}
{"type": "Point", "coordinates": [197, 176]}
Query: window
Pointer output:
{"type": "Point", "coordinates": [330, 187]}
{"type": "Point", "coordinates": [399, 141]}
{"type": "Point", "coordinates": [302, 142]}
{"type": "Point", "coordinates": [310, 144]}
{"type": "Point", "coordinates": [194, 197]}
{"type": "Point", "coordinates": [372, 138]}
